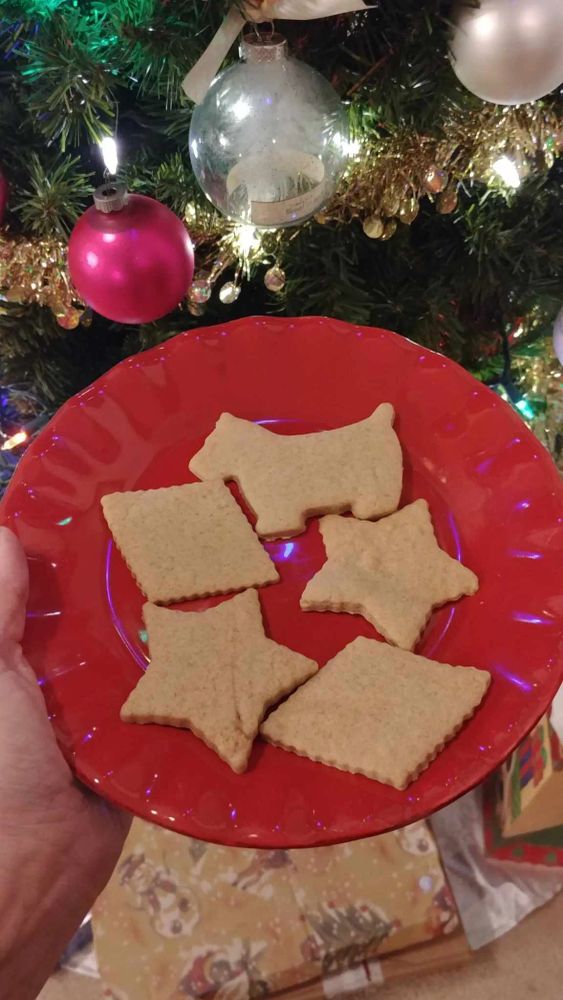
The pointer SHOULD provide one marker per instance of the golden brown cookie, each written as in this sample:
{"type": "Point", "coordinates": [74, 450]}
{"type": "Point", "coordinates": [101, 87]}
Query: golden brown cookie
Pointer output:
{"type": "Point", "coordinates": [377, 711]}
{"type": "Point", "coordinates": [287, 478]}
{"type": "Point", "coordinates": [187, 541]}
{"type": "Point", "coordinates": [393, 573]}
{"type": "Point", "coordinates": [214, 672]}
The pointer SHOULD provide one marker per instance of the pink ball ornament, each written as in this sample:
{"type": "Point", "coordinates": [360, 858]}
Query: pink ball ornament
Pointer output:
{"type": "Point", "coordinates": [130, 258]}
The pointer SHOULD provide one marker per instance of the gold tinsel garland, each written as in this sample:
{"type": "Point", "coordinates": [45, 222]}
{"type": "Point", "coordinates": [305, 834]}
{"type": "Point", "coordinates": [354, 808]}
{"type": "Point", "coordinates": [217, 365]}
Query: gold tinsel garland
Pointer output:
{"type": "Point", "coordinates": [385, 182]}
{"type": "Point", "coordinates": [388, 174]}
{"type": "Point", "coordinates": [35, 271]}
{"type": "Point", "coordinates": [540, 378]}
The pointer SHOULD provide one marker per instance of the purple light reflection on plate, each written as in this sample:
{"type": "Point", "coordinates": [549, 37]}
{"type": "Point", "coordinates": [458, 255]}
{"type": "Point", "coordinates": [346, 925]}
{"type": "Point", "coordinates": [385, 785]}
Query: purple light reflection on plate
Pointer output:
{"type": "Point", "coordinates": [149, 789]}
{"type": "Point", "coordinates": [455, 532]}
{"type": "Point", "coordinates": [281, 551]}
{"type": "Point", "coordinates": [525, 554]}
{"type": "Point", "coordinates": [513, 678]}
{"type": "Point", "coordinates": [432, 649]}
{"type": "Point", "coordinates": [483, 467]}
{"type": "Point", "coordinates": [278, 420]}
{"type": "Point", "coordinates": [135, 653]}
{"type": "Point", "coordinates": [42, 614]}
{"type": "Point", "coordinates": [523, 616]}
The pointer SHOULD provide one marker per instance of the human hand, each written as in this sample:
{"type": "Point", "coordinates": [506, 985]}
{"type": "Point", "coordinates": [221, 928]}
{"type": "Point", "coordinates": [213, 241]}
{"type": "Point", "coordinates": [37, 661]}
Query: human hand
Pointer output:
{"type": "Point", "coordinates": [59, 843]}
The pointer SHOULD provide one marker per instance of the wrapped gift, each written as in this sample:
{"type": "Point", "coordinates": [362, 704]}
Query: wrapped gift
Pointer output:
{"type": "Point", "coordinates": [530, 797]}
{"type": "Point", "coordinates": [542, 847]}
{"type": "Point", "coordinates": [181, 918]}
{"type": "Point", "coordinates": [523, 802]}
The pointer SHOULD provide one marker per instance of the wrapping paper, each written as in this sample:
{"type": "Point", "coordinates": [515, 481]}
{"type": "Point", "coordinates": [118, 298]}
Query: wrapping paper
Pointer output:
{"type": "Point", "coordinates": [529, 785]}
{"type": "Point", "coordinates": [542, 846]}
{"type": "Point", "coordinates": [181, 918]}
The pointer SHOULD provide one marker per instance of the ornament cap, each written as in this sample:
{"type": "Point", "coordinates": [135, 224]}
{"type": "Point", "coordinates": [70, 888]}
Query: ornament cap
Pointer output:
{"type": "Point", "coordinates": [110, 197]}
{"type": "Point", "coordinates": [261, 47]}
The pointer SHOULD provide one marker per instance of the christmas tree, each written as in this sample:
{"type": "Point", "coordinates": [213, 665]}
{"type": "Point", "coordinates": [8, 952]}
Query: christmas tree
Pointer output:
{"type": "Point", "coordinates": [445, 227]}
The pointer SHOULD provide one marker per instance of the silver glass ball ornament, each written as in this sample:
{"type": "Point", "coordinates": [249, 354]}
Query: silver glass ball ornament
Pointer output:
{"type": "Point", "coordinates": [270, 140]}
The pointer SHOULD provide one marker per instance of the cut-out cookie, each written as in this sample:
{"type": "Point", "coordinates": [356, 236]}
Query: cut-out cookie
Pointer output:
{"type": "Point", "coordinates": [214, 672]}
{"type": "Point", "coordinates": [393, 573]}
{"type": "Point", "coordinates": [187, 541]}
{"type": "Point", "coordinates": [377, 711]}
{"type": "Point", "coordinates": [287, 478]}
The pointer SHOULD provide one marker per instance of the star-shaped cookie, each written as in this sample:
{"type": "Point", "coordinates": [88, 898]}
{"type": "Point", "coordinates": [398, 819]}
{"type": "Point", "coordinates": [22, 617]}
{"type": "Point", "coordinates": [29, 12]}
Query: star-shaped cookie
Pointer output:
{"type": "Point", "coordinates": [287, 478]}
{"type": "Point", "coordinates": [393, 573]}
{"type": "Point", "coordinates": [187, 541]}
{"type": "Point", "coordinates": [214, 672]}
{"type": "Point", "coordinates": [377, 711]}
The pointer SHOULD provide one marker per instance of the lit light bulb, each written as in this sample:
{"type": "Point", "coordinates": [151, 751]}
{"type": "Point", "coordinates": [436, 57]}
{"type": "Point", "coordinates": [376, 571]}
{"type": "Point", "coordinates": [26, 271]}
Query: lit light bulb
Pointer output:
{"type": "Point", "coordinates": [108, 149]}
{"type": "Point", "coordinates": [12, 442]}
{"type": "Point", "coordinates": [350, 147]}
{"type": "Point", "coordinates": [246, 239]}
{"type": "Point", "coordinates": [526, 409]}
{"type": "Point", "coordinates": [507, 171]}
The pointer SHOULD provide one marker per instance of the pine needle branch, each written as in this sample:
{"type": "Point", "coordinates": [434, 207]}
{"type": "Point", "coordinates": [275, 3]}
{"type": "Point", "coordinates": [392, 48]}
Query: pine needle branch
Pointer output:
{"type": "Point", "coordinates": [55, 197]}
{"type": "Point", "coordinates": [71, 83]}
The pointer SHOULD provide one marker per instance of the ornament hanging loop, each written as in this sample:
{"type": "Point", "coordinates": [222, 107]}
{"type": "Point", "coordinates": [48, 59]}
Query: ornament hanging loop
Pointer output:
{"type": "Point", "coordinates": [267, 33]}
{"type": "Point", "coordinates": [263, 47]}
{"type": "Point", "coordinates": [110, 197]}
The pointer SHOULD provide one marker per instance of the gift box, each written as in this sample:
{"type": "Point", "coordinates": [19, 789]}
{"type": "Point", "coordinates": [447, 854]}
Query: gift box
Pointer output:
{"type": "Point", "coordinates": [523, 802]}
{"type": "Point", "coordinates": [181, 918]}
{"type": "Point", "coordinates": [532, 784]}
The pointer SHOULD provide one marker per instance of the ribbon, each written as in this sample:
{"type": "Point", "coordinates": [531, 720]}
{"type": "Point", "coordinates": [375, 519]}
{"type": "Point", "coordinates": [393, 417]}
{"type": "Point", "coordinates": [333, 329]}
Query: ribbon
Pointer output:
{"type": "Point", "coordinates": [197, 82]}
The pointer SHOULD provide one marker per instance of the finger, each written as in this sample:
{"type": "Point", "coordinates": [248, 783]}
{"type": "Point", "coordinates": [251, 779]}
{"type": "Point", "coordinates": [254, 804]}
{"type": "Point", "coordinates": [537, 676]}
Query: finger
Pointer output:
{"type": "Point", "coordinates": [14, 587]}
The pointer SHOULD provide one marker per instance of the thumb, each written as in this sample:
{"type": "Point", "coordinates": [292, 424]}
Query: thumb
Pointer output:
{"type": "Point", "coordinates": [14, 586]}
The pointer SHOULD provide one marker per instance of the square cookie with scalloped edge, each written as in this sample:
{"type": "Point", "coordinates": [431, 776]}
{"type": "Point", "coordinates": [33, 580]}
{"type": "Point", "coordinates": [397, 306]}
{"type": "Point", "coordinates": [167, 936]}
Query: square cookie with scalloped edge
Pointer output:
{"type": "Point", "coordinates": [187, 541]}
{"type": "Point", "coordinates": [378, 711]}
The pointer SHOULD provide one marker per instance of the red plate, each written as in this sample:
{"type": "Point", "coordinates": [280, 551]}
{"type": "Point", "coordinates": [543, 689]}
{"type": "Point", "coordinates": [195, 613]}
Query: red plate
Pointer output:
{"type": "Point", "coordinates": [496, 502]}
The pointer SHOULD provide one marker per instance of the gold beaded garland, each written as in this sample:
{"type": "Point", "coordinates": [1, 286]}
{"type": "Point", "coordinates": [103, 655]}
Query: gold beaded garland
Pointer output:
{"type": "Point", "coordinates": [389, 229]}
{"type": "Point", "coordinates": [390, 203]}
{"type": "Point", "coordinates": [435, 180]}
{"type": "Point", "coordinates": [373, 227]}
{"type": "Point", "coordinates": [200, 291]}
{"type": "Point", "coordinates": [446, 201]}
{"type": "Point", "coordinates": [229, 293]}
{"type": "Point", "coordinates": [274, 278]}
{"type": "Point", "coordinates": [408, 210]}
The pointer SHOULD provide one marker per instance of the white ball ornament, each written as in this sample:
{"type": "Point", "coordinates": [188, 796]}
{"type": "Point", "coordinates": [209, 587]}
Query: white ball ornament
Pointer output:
{"type": "Point", "coordinates": [509, 51]}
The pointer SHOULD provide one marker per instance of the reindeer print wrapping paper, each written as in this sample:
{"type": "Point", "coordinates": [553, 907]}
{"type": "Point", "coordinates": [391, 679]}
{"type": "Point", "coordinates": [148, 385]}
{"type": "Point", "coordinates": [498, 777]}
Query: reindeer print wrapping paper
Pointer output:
{"type": "Point", "coordinates": [183, 919]}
